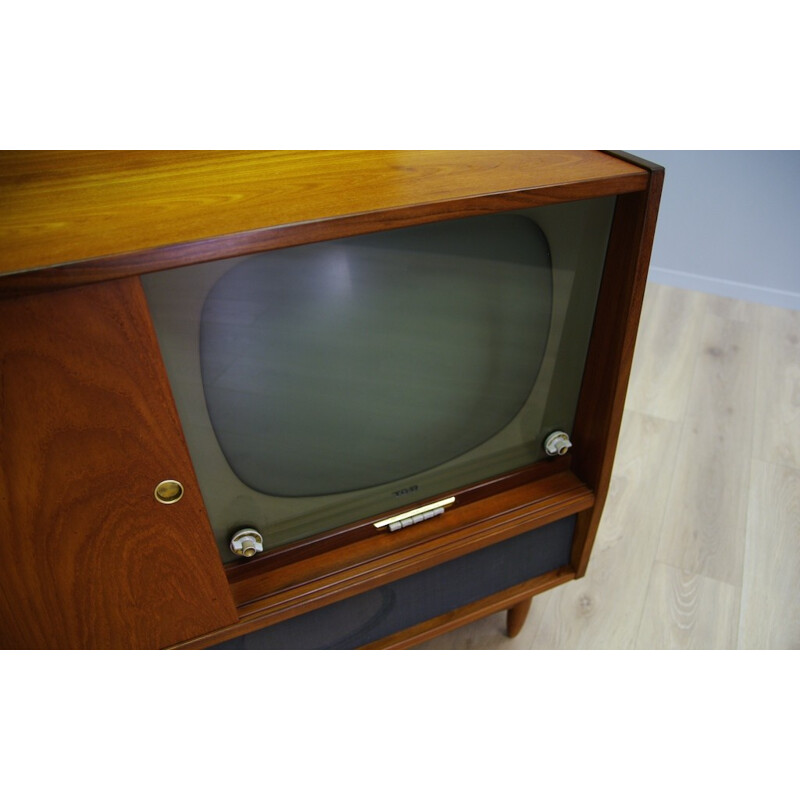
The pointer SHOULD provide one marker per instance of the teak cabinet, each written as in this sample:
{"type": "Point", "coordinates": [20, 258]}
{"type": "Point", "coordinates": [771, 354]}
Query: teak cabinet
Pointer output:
{"type": "Point", "coordinates": [88, 426]}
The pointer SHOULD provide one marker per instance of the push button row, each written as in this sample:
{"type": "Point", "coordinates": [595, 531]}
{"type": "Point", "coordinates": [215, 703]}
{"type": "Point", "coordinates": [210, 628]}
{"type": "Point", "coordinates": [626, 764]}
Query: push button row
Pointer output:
{"type": "Point", "coordinates": [408, 521]}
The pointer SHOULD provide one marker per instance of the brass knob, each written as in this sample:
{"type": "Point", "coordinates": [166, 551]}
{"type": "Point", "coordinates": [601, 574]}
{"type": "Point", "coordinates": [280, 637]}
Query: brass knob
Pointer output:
{"type": "Point", "coordinates": [169, 491]}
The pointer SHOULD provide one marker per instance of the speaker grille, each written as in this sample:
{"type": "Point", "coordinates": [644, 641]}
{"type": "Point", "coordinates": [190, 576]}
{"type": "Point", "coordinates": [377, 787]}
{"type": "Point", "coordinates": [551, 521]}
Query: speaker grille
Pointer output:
{"type": "Point", "coordinates": [388, 609]}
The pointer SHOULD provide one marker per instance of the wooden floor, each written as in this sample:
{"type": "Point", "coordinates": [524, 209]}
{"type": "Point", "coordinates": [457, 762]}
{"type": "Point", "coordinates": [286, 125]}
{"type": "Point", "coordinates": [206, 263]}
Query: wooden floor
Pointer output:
{"type": "Point", "coordinates": [699, 546]}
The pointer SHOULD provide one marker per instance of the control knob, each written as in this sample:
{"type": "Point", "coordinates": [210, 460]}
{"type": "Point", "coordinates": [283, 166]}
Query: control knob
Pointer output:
{"type": "Point", "coordinates": [557, 444]}
{"type": "Point", "coordinates": [247, 542]}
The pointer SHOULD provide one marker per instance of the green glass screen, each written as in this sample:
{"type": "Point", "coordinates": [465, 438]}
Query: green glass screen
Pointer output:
{"type": "Point", "coordinates": [360, 362]}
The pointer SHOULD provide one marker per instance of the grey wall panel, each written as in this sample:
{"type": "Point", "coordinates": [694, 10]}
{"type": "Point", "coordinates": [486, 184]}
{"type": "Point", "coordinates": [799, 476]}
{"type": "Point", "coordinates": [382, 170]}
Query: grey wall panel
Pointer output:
{"type": "Point", "coordinates": [729, 223]}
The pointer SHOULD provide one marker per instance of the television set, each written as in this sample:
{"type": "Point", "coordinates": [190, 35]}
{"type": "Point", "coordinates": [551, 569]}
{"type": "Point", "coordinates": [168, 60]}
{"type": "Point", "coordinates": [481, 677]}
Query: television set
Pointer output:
{"type": "Point", "coordinates": [334, 399]}
{"type": "Point", "coordinates": [330, 383]}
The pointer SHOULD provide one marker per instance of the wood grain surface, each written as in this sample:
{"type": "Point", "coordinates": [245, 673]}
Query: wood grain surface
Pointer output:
{"type": "Point", "coordinates": [660, 383]}
{"type": "Point", "coordinates": [777, 425]}
{"type": "Point", "coordinates": [687, 611]}
{"type": "Point", "coordinates": [770, 616]}
{"type": "Point", "coordinates": [88, 557]}
{"type": "Point", "coordinates": [65, 207]}
{"type": "Point", "coordinates": [704, 527]}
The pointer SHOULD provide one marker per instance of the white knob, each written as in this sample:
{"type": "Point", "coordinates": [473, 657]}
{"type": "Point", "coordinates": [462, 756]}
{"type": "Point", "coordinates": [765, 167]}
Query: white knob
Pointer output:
{"type": "Point", "coordinates": [247, 542]}
{"type": "Point", "coordinates": [557, 444]}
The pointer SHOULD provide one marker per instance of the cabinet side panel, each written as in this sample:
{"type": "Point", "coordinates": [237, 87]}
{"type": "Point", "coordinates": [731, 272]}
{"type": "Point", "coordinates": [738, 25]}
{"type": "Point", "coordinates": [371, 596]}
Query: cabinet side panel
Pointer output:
{"type": "Point", "coordinates": [610, 356]}
{"type": "Point", "coordinates": [88, 428]}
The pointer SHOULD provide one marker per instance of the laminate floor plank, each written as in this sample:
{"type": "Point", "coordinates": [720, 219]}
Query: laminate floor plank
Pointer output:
{"type": "Point", "coordinates": [728, 308]}
{"type": "Point", "coordinates": [770, 614]}
{"type": "Point", "coordinates": [664, 358]}
{"type": "Point", "coordinates": [685, 611]}
{"type": "Point", "coordinates": [704, 529]}
{"type": "Point", "coordinates": [777, 418]}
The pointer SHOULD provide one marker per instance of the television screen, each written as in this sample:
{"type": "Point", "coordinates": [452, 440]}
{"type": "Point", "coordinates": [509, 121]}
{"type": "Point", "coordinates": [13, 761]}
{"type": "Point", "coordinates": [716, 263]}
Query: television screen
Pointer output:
{"type": "Point", "coordinates": [321, 384]}
{"type": "Point", "coordinates": [355, 363]}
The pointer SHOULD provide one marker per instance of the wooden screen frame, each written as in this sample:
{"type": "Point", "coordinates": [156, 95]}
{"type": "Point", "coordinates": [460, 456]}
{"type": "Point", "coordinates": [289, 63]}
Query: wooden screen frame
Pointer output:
{"type": "Point", "coordinates": [345, 562]}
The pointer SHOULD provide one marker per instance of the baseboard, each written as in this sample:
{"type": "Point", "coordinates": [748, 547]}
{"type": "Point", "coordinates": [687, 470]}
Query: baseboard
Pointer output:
{"type": "Point", "coordinates": [739, 291]}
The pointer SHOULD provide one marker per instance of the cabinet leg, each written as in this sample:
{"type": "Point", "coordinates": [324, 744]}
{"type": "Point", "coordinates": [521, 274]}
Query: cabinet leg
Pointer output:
{"type": "Point", "coordinates": [516, 616]}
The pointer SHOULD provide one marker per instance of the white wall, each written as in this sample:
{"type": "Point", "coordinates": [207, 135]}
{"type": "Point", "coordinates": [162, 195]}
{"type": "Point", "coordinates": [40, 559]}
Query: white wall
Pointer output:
{"type": "Point", "coordinates": [729, 223]}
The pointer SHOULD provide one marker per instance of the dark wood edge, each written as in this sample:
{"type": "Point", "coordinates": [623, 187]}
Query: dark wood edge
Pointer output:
{"type": "Point", "coordinates": [369, 573]}
{"type": "Point", "coordinates": [364, 529]}
{"type": "Point", "coordinates": [637, 161]}
{"type": "Point", "coordinates": [602, 399]}
{"type": "Point", "coordinates": [255, 241]}
{"type": "Point", "coordinates": [485, 607]}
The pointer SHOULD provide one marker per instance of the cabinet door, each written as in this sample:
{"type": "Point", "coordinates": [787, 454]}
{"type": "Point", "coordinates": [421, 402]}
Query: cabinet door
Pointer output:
{"type": "Point", "coordinates": [88, 557]}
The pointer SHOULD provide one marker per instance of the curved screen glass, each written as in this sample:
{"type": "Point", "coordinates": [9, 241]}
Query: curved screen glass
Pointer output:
{"type": "Point", "coordinates": [354, 363]}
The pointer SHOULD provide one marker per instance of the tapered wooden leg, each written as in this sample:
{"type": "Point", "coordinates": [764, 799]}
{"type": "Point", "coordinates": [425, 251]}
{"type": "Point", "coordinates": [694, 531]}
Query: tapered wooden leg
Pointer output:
{"type": "Point", "coordinates": [516, 616]}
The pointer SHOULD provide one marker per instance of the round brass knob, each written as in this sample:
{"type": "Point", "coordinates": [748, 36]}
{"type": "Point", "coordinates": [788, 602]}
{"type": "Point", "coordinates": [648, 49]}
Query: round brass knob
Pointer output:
{"type": "Point", "coordinates": [169, 491]}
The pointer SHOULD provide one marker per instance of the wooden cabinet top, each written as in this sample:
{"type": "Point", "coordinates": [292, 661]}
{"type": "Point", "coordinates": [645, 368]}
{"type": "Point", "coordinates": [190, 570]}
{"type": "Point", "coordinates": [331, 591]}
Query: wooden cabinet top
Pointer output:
{"type": "Point", "coordinates": [67, 207]}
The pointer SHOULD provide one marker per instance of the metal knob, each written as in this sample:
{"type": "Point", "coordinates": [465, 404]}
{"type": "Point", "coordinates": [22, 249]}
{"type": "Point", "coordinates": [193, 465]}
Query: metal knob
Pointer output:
{"type": "Point", "coordinates": [247, 542]}
{"type": "Point", "coordinates": [169, 491]}
{"type": "Point", "coordinates": [557, 444]}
